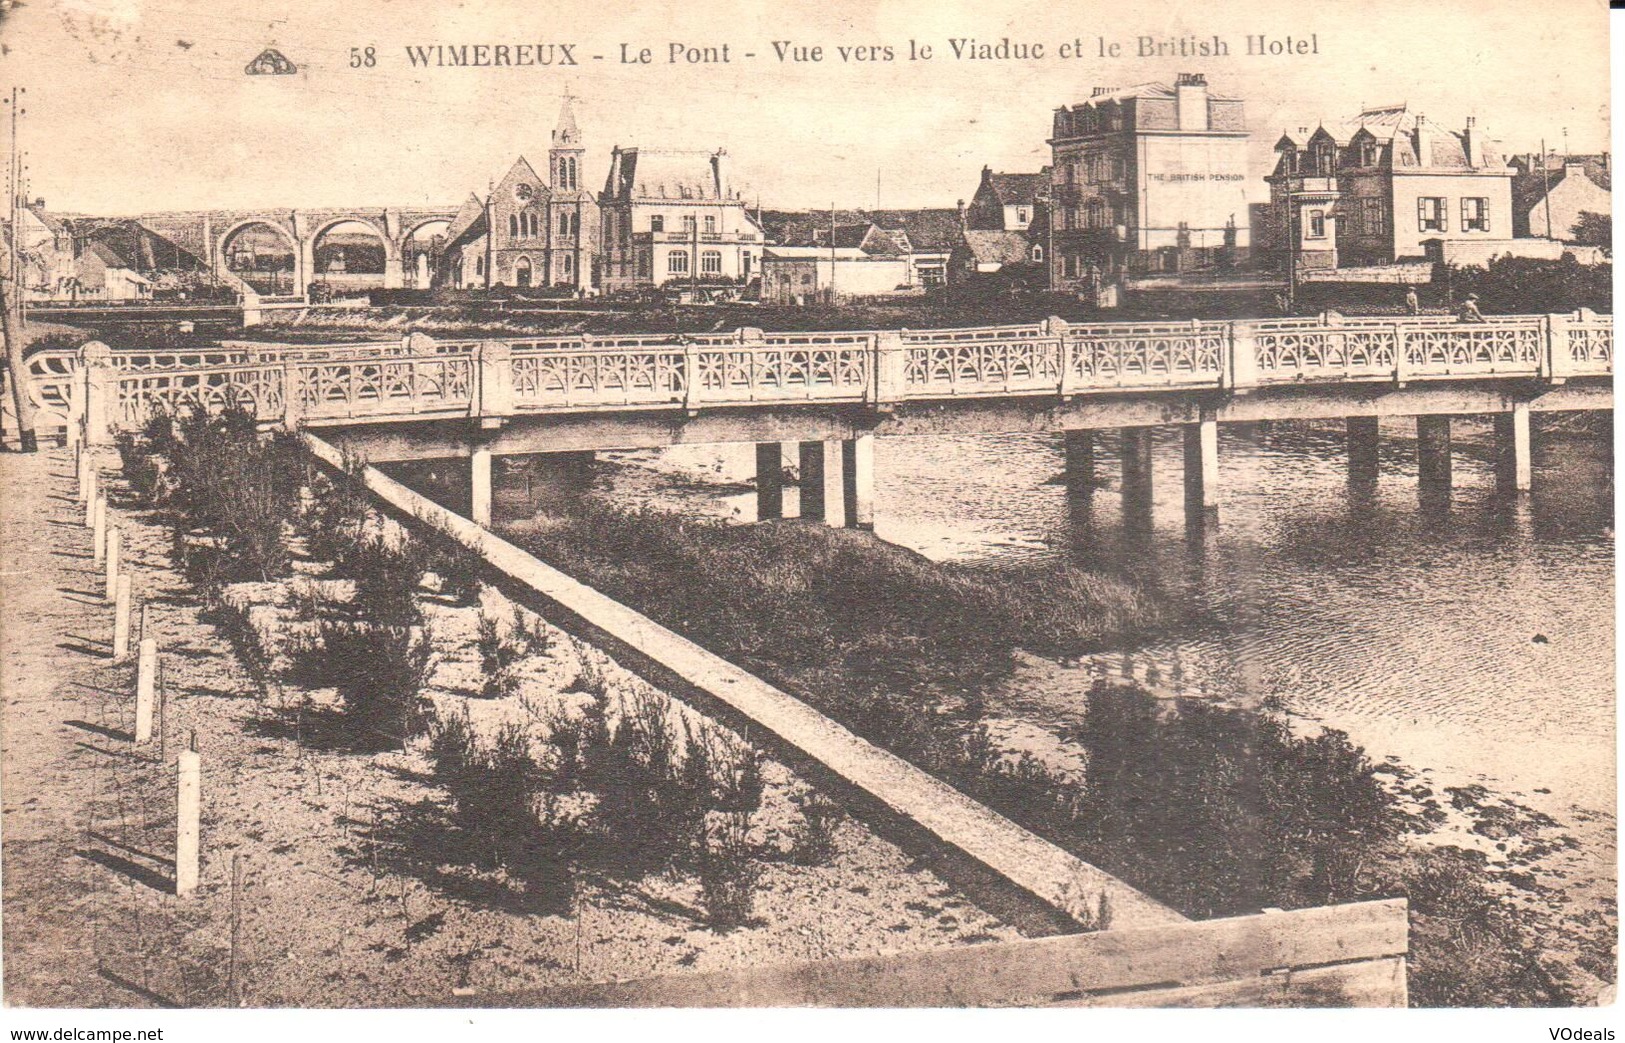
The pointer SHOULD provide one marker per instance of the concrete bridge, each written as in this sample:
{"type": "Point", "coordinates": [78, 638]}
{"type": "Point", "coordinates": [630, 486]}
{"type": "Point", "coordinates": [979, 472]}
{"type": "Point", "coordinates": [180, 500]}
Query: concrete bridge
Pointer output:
{"type": "Point", "coordinates": [831, 394]}
{"type": "Point", "coordinates": [207, 234]}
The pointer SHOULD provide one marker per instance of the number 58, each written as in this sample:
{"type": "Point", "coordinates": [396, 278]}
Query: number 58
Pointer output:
{"type": "Point", "coordinates": [362, 57]}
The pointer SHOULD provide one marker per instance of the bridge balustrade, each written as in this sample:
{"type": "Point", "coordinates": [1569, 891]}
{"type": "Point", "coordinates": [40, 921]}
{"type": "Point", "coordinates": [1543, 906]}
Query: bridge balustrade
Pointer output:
{"type": "Point", "coordinates": [417, 375]}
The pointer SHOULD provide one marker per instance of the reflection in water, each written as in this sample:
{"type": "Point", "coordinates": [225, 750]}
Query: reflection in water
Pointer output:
{"type": "Point", "coordinates": [1455, 628]}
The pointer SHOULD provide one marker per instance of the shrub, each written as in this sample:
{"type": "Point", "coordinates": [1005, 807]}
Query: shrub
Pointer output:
{"type": "Point", "coordinates": [500, 801]}
{"type": "Point", "coordinates": [812, 837]}
{"type": "Point", "coordinates": [387, 579]}
{"type": "Point", "coordinates": [459, 570]}
{"type": "Point", "coordinates": [236, 488]}
{"type": "Point", "coordinates": [728, 872]}
{"type": "Point", "coordinates": [378, 671]}
{"type": "Point", "coordinates": [334, 523]}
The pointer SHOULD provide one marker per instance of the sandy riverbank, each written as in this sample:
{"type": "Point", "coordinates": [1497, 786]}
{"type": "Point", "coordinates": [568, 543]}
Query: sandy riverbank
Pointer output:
{"type": "Point", "coordinates": [349, 896]}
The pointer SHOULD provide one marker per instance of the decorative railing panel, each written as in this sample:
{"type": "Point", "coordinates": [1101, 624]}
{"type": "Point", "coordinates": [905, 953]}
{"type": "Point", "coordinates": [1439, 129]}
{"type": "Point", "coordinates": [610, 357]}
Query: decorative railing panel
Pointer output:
{"type": "Point", "coordinates": [383, 387]}
{"type": "Point", "coordinates": [983, 367]}
{"type": "Point", "coordinates": [53, 384]}
{"type": "Point", "coordinates": [1177, 357]}
{"type": "Point", "coordinates": [779, 374]}
{"type": "Point", "coordinates": [1591, 347]}
{"type": "Point", "coordinates": [1473, 349]}
{"type": "Point", "coordinates": [255, 389]}
{"type": "Point", "coordinates": [1326, 353]}
{"type": "Point", "coordinates": [598, 378]}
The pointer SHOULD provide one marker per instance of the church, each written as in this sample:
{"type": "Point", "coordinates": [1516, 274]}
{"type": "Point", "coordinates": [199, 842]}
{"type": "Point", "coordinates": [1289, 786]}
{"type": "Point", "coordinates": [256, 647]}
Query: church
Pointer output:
{"type": "Point", "coordinates": [530, 232]}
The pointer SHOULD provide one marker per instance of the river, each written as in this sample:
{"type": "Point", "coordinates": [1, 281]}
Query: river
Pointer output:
{"type": "Point", "coordinates": [1471, 636]}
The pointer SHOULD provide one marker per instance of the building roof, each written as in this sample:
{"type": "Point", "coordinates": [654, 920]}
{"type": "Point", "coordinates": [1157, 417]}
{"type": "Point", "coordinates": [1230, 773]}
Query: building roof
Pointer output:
{"type": "Point", "coordinates": [1149, 89]}
{"type": "Point", "coordinates": [814, 253]}
{"type": "Point", "coordinates": [1537, 175]}
{"type": "Point", "coordinates": [1394, 129]}
{"type": "Point", "coordinates": [929, 231]}
{"type": "Point", "coordinates": [566, 134]}
{"type": "Point", "coordinates": [912, 231]}
{"type": "Point", "coordinates": [54, 225]}
{"type": "Point", "coordinates": [1017, 189]}
{"type": "Point", "coordinates": [641, 173]}
{"type": "Point", "coordinates": [990, 247]}
{"type": "Point", "coordinates": [106, 254]}
{"type": "Point", "coordinates": [469, 222]}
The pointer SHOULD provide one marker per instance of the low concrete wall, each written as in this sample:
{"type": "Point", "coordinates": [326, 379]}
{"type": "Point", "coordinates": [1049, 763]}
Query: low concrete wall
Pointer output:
{"type": "Point", "coordinates": [1056, 878]}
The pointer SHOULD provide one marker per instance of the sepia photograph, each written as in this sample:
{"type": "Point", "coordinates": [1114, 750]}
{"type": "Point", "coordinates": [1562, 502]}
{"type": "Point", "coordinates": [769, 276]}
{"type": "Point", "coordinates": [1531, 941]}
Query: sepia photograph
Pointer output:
{"type": "Point", "coordinates": [575, 507]}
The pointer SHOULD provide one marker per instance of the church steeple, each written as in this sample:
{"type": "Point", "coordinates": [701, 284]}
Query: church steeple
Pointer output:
{"type": "Point", "coordinates": [564, 166]}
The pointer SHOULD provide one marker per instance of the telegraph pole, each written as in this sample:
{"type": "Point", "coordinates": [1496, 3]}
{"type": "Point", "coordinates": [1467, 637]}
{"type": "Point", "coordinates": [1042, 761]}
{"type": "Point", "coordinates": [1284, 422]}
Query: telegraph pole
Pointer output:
{"type": "Point", "coordinates": [832, 253]}
{"type": "Point", "coordinates": [11, 306]}
{"type": "Point", "coordinates": [1546, 181]}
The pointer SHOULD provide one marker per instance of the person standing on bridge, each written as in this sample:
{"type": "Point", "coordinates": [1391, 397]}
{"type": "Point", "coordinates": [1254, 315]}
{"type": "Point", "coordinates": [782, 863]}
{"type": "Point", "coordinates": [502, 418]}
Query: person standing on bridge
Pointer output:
{"type": "Point", "coordinates": [1412, 304]}
{"type": "Point", "coordinates": [1469, 310]}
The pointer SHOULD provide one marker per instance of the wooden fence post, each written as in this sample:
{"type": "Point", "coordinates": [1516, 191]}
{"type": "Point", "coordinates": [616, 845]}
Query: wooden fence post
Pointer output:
{"type": "Point", "coordinates": [188, 803]}
{"type": "Point", "coordinates": [113, 541]}
{"type": "Point", "coordinates": [98, 529]}
{"type": "Point", "coordinates": [145, 684]}
{"type": "Point", "coordinates": [121, 619]}
{"type": "Point", "coordinates": [90, 496]}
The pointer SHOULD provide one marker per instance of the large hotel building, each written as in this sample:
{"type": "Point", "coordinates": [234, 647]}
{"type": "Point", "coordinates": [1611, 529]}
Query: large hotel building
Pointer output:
{"type": "Point", "coordinates": [1149, 178]}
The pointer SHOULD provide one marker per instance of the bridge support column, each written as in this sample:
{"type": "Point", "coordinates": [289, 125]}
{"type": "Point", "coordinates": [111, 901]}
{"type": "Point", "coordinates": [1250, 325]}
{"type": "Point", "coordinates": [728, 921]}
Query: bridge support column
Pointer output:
{"type": "Point", "coordinates": [822, 496]}
{"type": "Point", "coordinates": [479, 511]}
{"type": "Point", "coordinates": [1136, 452]}
{"type": "Point", "coordinates": [394, 273]}
{"type": "Point", "coordinates": [1363, 441]}
{"type": "Point", "coordinates": [1202, 465]}
{"type": "Point", "coordinates": [1433, 450]}
{"type": "Point", "coordinates": [1079, 450]}
{"type": "Point", "coordinates": [1513, 470]}
{"type": "Point", "coordinates": [858, 481]}
{"type": "Point", "coordinates": [769, 480]}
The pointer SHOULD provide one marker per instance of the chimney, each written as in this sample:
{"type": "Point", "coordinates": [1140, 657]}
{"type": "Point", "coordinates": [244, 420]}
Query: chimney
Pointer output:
{"type": "Point", "coordinates": [1469, 141]}
{"type": "Point", "coordinates": [719, 165]}
{"type": "Point", "coordinates": [1423, 141]}
{"type": "Point", "coordinates": [962, 225]}
{"type": "Point", "coordinates": [1190, 101]}
{"type": "Point", "coordinates": [1098, 91]}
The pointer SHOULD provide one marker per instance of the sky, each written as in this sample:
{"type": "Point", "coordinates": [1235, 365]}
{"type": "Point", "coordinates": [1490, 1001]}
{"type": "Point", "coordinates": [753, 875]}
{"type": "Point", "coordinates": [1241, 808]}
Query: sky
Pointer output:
{"type": "Point", "coordinates": [135, 106]}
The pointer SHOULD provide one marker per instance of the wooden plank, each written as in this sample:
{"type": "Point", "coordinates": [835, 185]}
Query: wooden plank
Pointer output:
{"type": "Point", "coordinates": [1029, 972]}
{"type": "Point", "coordinates": [1369, 983]}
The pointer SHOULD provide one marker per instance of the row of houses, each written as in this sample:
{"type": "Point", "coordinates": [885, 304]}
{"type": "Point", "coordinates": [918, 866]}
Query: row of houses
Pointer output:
{"type": "Point", "coordinates": [1146, 179]}
{"type": "Point", "coordinates": [60, 262]}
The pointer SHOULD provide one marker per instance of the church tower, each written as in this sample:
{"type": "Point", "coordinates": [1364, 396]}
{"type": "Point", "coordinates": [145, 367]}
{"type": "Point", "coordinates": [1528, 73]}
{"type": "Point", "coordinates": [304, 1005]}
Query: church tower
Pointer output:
{"type": "Point", "coordinates": [564, 160]}
{"type": "Point", "coordinates": [572, 211]}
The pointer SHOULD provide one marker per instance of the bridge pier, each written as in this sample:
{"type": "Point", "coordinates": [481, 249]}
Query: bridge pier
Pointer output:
{"type": "Point", "coordinates": [1363, 440]}
{"type": "Point", "coordinates": [479, 511]}
{"type": "Point", "coordinates": [1136, 454]}
{"type": "Point", "coordinates": [858, 481]}
{"type": "Point", "coordinates": [1079, 451]}
{"type": "Point", "coordinates": [1202, 465]}
{"type": "Point", "coordinates": [1433, 450]}
{"type": "Point", "coordinates": [823, 495]}
{"type": "Point", "coordinates": [769, 481]}
{"type": "Point", "coordinates": [1513, 471]}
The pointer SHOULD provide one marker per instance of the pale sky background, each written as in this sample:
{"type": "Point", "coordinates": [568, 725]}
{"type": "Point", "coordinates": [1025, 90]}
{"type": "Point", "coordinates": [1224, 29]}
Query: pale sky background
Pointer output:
{"type": "Point", "coordinates": [135, 106]}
